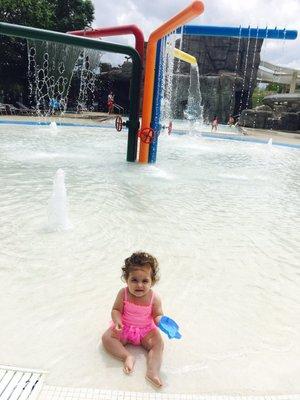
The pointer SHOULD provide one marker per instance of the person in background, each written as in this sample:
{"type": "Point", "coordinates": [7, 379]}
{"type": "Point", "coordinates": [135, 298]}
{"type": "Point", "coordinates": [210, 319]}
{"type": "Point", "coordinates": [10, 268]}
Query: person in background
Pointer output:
{"type": "Point", "coordinates": [54, 105]}
{"type": "Point", "coordinates": [110, 102]}
{"type": "Point", "coordinates": [214, 124]}
{"type": "Point", "coordinates": [230, 120]}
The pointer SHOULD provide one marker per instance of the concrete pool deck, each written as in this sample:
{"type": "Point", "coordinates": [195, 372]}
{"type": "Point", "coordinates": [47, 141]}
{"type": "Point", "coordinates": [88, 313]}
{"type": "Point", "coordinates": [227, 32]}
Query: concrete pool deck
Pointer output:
{"type": "Point", "coordinates": [101, 118]}
{"type": "Point", "coordinates": [277, 136]}
{"type": "Point", "coordinates": [83, 118]}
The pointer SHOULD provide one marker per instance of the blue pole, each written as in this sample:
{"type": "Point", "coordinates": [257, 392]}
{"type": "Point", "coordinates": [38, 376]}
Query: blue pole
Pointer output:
{"type": "Point", "coordinates": [238, 32]}
{"type": "Point", "coordinates": [155, 121]}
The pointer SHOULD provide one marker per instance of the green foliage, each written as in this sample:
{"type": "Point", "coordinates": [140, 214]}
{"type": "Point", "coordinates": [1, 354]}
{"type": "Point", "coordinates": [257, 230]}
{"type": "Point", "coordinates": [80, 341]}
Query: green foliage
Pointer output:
{"type": "Point", "coordinates": [271, 88]}
{"type": "Point", "coordinates": [275, 87]}
{"type": "Point", "coordinates": [258, 96]}
{"type": "Point", "coordinates": [72, 14]}
{"type": "Point", "coordinates": [58, 15]}
{"type": "Point", "coordinates": [37, 13]}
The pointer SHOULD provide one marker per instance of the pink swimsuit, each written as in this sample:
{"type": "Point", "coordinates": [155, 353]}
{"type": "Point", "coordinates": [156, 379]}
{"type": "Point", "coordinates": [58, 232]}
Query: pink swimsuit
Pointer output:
{"type": "Point", "coordinates": [137, 321]}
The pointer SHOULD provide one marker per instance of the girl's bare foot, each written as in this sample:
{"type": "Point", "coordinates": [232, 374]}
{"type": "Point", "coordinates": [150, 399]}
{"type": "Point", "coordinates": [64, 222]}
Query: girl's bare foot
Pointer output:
{"type": "Point", "coordinates": [154, 380]}
{"type": "Point", "coordinates": [128, 364]}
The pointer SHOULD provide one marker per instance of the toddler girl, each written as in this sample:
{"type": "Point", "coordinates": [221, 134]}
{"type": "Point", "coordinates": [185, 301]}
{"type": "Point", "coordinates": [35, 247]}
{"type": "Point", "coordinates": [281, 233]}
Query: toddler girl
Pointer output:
{"type": "Point", "coordinates": [135, 315]}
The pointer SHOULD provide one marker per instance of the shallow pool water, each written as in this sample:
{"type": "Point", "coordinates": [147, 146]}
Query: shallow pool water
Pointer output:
{"type": "Point", "coordinates": [222, 218]}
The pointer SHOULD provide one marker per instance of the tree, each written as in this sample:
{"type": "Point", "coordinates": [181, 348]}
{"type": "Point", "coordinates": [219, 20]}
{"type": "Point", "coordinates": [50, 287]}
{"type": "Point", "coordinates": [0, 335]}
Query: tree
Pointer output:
{"type": "Point", "coordinates": [37, 13]}
{"type": "Point", "coordinates": [257, 97]}
{"type": "Point", "coordinates": [72, 14]}
{"type": "Point", "coordinates": [58, 15]}
{"type": "Point", "coordinates": [275, 87]}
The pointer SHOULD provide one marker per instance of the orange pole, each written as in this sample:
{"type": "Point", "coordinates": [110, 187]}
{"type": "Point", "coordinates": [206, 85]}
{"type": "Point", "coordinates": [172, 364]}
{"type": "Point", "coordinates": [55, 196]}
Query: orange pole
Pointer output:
{"type": "Point", "coordinates": [196, 8]}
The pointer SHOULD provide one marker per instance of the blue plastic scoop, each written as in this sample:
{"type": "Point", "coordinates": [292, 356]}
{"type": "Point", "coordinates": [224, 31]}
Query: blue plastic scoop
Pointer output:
{"type": "Point", "coordinates": [169, 327]}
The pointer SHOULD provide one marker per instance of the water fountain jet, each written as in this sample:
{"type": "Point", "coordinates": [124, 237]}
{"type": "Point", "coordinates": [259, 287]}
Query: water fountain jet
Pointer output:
{"type": "Point", "coordinates": [58, 219]}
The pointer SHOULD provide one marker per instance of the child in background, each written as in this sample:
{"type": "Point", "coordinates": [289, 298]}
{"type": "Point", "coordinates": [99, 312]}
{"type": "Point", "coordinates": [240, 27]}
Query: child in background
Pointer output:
{"type": "Point", "coordinates": [110, 102]}
{"type": "Point", "coordinates": [230, 120]}
{"type": "Point", "coordinates": [136, 313]}
{"type": "Point", "coordinates": [214, 124]}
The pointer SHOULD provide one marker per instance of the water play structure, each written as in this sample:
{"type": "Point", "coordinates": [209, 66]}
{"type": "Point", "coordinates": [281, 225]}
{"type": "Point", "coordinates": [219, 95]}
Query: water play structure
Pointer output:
{"type": "Point", "coordinates": [147, 134]}
{"type": "Point", "coordinates": [237, 32]}
{"type": "Point", "coordinates": [39, 34]}
{"type": "Point", "coordinates": [151, 116]}
{"type": "Point", "coordinates": [184, 16]}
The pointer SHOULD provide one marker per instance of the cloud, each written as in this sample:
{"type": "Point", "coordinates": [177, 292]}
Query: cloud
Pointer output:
{"type": "Point", "coordinates": [150, 14]}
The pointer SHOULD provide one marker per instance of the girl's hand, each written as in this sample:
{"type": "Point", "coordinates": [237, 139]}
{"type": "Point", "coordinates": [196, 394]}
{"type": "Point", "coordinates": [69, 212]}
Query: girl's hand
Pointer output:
{"type": "Point", "coordinates": [118, 326]}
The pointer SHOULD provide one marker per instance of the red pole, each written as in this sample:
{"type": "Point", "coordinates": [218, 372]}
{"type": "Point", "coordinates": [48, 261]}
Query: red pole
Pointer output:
{"type": "Point", "coordinates": [116, 31]}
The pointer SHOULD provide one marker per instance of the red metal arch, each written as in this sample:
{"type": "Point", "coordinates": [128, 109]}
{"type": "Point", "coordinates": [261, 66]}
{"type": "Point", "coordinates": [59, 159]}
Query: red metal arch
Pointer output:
{"type": "Point", "coordinates": [116, 31]}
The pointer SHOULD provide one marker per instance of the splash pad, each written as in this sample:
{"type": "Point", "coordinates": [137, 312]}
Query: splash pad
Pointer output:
{"type": "Point", "coordinates": [221, 211]}
{"type": "Point", "coordinates": [208, 237]}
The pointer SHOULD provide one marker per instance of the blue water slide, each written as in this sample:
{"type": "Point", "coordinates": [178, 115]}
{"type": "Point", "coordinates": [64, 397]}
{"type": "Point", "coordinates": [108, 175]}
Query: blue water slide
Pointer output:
{"type": "Point", "coordinates": [238, 32]}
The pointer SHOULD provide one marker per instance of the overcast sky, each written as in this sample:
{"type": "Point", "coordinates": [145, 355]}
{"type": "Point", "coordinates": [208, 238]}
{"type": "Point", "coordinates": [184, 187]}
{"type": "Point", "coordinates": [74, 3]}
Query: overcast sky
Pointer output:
{"type": "Point", "coordinates": [150, 14]}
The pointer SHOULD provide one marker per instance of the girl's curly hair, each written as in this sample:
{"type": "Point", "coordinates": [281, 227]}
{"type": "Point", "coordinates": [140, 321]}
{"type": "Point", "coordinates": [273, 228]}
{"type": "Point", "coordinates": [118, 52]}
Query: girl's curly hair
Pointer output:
{"type": "Point", "coordinates": [140, 259]}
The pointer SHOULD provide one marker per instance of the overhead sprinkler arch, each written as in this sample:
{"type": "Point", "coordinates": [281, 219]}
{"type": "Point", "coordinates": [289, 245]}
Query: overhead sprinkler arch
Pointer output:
{"type": "Point", "coordinates": [227, 31]}
{"type": "Point", "coordinates": [98, 33]}
{"type": "Point", "coordinates": [196, 8]}
{"type": "Point", "coordinates": [40, 34]}
{"type": "Point", "coordinates": [116, 31]}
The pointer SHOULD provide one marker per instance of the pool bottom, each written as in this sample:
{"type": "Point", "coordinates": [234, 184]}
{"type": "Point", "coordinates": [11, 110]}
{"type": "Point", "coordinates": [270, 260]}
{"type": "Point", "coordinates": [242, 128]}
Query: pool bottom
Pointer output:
{"type": "Point", "coordinates": [233, 341]}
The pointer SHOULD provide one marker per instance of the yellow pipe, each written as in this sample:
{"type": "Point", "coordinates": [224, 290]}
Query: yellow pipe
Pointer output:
{"type": "Point", "coordinates": [184, 56]}
{"type": "Point", "coordinates": [194, 9]}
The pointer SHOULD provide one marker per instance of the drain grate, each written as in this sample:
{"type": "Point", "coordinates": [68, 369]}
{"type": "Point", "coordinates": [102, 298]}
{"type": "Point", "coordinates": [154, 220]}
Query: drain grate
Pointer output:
{"type": "Point", "coordinates": [20, 383]}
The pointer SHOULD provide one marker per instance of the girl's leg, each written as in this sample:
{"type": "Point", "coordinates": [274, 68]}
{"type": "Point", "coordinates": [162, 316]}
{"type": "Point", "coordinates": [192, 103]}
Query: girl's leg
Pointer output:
{"type": "Point", "coordinates": [154, 344]}
{"type": "Point", "coordinates": [113, 346]}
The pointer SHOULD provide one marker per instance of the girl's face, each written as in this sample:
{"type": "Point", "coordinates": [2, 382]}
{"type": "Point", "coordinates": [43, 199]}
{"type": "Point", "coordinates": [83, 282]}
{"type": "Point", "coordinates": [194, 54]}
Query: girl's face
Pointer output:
{"type": "Point", "coordinates": [139, 281]}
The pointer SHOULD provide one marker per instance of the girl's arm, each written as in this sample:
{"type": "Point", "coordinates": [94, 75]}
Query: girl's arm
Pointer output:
{"type": "Point", "coordinates": [157, 311]}
{"type": "Point", "coordinates": [117, 310]}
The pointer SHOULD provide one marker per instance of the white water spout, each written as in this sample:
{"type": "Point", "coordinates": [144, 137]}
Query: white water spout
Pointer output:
{"type": "Point", "coordinates": [194, 110]}
{"type": "Point", "coordinates": [270, 142]}
{"type": "Point", "coordinates": [58, 205]}
{"type": "Point", "coordinates": [53, 125]}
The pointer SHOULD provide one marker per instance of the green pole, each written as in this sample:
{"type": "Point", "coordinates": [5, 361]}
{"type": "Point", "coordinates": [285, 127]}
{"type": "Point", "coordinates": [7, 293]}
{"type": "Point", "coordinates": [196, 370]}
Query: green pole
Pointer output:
{"type": "Point", "coordinates": [50, 36]}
